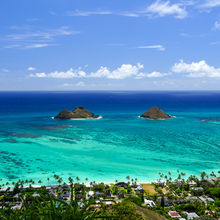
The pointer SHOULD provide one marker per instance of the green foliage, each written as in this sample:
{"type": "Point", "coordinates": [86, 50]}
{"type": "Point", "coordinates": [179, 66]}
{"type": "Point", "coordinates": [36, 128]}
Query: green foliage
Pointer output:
{"type": "Point", "coordinates": [48, 207]}
{"type": "Point", "coordinates": [99, 187]}
{"type": "Point", "coordinates": [135, 199]}
{"type": "Point", "coordinates": [126, 211]}
{"type": "Point", "coordinates": [214, 192]}
{"type": "Point", "coordinates": [162, 201]}
{"type": "Point", "coordinates": [217, 203]}
{"type": "Point", "coordinates": [197, 207]}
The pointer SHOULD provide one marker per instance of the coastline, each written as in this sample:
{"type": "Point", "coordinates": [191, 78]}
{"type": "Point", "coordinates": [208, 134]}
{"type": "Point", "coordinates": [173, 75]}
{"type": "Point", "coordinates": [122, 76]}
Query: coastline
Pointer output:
{"type": "Point", "coordinates": [80, 119]}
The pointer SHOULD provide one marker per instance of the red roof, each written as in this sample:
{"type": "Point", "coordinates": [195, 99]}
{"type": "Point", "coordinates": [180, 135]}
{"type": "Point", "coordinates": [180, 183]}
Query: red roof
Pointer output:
{"type": "Point", "coordinates": [174, 214]}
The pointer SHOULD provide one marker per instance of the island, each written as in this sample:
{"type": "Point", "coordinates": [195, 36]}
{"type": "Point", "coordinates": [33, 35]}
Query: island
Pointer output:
{"type": "Point", "coordinates": [78, 113]}
{"type": "Point", "coordinates": [155, 113]}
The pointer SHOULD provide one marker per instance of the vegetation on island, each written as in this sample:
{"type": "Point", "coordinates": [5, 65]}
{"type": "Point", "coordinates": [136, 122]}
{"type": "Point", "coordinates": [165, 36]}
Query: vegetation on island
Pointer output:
{"type": "Point", "coordinates": [166, 198]}
{"type": "Point", "coordinates": [155, 113]}
{"type": "Point", "coordinates": [78, 113]}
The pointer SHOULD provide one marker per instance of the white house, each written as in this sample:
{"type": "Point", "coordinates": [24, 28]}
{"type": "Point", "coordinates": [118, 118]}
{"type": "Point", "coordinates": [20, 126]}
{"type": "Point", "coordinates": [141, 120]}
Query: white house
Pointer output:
{"type": "Point", "coordinates": [149, 203]}
{"type": "Point", "coordinates": [191, 215]}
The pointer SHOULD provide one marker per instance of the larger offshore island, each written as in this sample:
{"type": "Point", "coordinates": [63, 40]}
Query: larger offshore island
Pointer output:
{"type": "Point", "coordinates": [166, 198]}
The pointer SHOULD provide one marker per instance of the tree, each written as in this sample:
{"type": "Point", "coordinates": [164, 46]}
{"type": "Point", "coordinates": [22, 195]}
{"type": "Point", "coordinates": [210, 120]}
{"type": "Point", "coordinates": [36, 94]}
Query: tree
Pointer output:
{"type": "Point", "coordinates": [203, 174]}
{"type": "Point", "coordinates": [70, 180]}
{"type": "Point", "coordinates": [162, 201]}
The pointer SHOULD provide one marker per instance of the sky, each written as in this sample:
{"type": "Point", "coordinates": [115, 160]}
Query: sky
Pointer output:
{"type": "Point", "coordinates": [109, 45]}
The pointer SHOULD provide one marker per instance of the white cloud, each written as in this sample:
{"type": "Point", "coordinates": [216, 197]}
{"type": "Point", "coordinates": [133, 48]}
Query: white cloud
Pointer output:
{"type": "Point", "coordinates": [216, 25]}
{"type": "Point", "coordinates": [87, 13]}
{"type": "Point", "coordinates": [129, 14]}
{"type": "Point", "coordinates": [215, 43]}
{"type": "Point", "coordinates": [80, 84]}
{"type": "Point", "coordinates": [5, 70]}
{"type": "Point", "coordinates": [161, 9]}
{"type": "Point", "coordinates": [31, 68]}
{"type": "Point", "coordinates": [150, 75]}
{"type": "Point", "coordinates": [39, 75]}
{"type": "Point", "coordinates": [157, 47]}
{"type": "Point", "coordinates": [122, 72]}
{"type": "Point", "coordinates": [28, 37]}
{"type": "Point", "coordinates": [210, 4]}
{"type": "Point", "coordinates": [66, 85]}
{"type": "Point", "coordinates": [71, 73]}
{"type": "Point", "coordinates": [196, 69]}
{"type": "Point", "coordinates": [31, 46]}
{"type": "Point", "coordinates": [193, 70]}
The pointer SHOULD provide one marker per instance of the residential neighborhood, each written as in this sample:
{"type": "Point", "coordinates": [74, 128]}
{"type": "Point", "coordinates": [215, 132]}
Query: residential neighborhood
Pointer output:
{"type": "Point", "coordinates": [192, 198]}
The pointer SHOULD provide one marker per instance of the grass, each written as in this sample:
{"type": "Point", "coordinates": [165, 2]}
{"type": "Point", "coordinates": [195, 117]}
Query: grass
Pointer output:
{"type": "Point", "coordinates": [149, 214]}
{"type": "Point", "coordinates": [150, 189]}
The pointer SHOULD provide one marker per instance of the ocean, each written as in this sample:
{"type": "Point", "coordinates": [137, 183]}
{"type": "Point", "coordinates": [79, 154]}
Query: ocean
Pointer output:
{"type": "Point", "coordinates": [35, 146]}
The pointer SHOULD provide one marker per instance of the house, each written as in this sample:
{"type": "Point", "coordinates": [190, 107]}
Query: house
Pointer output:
{"type": "Point", "coordinates": [192, 183]}
{"type": "Point", "coordinates": [149, 202]}
{"type": "Point", "coordinates": [36, 194]}
{"type": "Point", "coordinates": [174, 214]}
{"type": "Point", "coordinates": [108, 193]}
{"type": "Point", "coordinates": [91, 193]}
{"type": "Point", "coordinates": [117, 200]}
{"type": "Point", "coordinates": [16, 207]}
{"type": "Point", "coordinates": [177, 183]}
{"type": "Point", "coordinates": [122, 184]}
{"type": "Point", "coordinates": [80, 204]}
{"type": "Point", "coordinates": [160, 183]}
{"type": "Point", "coordinates": [191, 215]}
{"type": "Point", "coordinates": [65, 186]}
{"type": "Point", "coordinates": [197, 188]}
{"type": "Point", "coordinates": [210, 199]}
{"type": "Point", "coordinates": [108, 202]}
{"type": "Point", "coordinates": [87, 185]}
{"type": "Point", "coordinates": [192, 199]}
{"type": "Point", "coordinates": [66, 195]}
{"type": "Point", "coordinates": [205, 200]}
{"type": "Point", "coordinates": [139, 188]}
{"type": "Point", "coordinates": [210, 181]}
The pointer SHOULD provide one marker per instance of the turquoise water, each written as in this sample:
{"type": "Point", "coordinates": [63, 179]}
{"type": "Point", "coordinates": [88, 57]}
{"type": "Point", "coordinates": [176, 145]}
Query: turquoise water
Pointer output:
{"type": "Point", "coordinates": [35, 146]}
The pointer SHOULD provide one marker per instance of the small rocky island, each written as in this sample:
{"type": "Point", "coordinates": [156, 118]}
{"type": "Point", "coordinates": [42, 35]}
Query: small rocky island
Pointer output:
{"type": "Point", "coordinates": [155, 113]}
{"type": "Point", "coordinates": [78, 113]}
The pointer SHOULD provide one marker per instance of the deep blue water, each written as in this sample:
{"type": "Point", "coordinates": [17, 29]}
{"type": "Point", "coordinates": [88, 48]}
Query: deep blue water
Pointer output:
{"type": "Point", "coordinates": [33, 145]}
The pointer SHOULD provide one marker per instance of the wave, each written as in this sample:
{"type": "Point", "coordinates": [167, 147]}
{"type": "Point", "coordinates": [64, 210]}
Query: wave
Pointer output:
{"type": "Point", "coordinates": [157, 119]}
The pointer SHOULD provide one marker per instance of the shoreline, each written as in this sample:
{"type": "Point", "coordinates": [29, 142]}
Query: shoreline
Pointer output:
{"type": "Point", "coordinates": [79, 119]}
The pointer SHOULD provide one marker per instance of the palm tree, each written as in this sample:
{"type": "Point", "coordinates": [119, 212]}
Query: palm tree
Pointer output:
{"type": "Point", "coordinates": [203, 174]}
{"type": "Point", "coordinates": [48, 179]}
{"type": "Point", "coordinates": [70, 180]}
{"type": "Point", "coordinates": [213, 174]}
{"type": "Point", "coordinates": [77, 179]}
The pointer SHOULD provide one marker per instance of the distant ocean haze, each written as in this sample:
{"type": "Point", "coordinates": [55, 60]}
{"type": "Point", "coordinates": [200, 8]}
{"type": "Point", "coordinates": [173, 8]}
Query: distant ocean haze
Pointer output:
{"type": "Point", "coordinates": [35, 146]}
